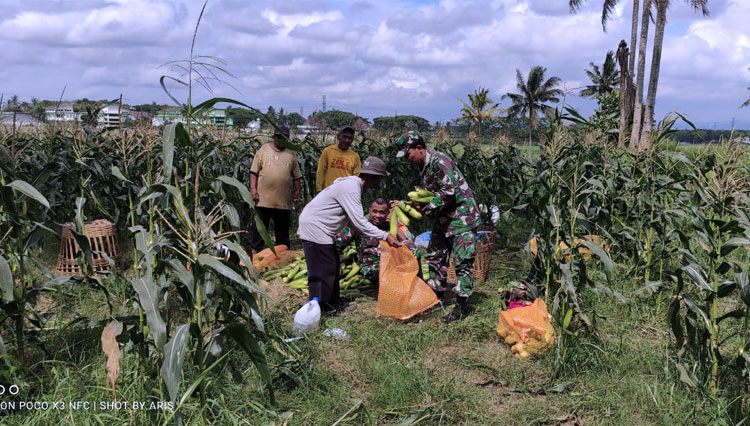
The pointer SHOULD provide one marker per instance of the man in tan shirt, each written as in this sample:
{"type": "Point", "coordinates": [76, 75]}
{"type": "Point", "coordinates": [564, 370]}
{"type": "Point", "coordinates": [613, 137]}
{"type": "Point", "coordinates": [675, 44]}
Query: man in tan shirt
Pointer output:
{"type": "Point", "coordinates": [274, 172]}
{"type": "Point", "coordinates": [337, 160]}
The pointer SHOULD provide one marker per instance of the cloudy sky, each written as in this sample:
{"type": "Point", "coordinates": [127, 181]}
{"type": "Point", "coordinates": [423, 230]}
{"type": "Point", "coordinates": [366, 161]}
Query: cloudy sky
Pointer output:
{"type": "Point", "coordinates": [371, 57]}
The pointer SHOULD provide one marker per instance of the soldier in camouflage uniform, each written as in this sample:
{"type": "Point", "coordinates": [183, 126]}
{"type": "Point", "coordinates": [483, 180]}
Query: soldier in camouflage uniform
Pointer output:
{"type": "Point", "coordinates": [455, 219]}
{"type": "Point", "coordinates": [368, 249]}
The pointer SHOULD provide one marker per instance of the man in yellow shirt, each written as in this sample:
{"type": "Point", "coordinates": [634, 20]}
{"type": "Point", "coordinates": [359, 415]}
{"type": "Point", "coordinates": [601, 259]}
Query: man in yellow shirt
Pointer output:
{"type": "Point", "coordinates": [338, 160]}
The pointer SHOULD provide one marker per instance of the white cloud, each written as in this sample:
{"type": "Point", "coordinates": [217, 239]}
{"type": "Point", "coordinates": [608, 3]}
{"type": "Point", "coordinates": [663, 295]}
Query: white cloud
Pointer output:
{"type": "Point", "coordinates": [374, 57]}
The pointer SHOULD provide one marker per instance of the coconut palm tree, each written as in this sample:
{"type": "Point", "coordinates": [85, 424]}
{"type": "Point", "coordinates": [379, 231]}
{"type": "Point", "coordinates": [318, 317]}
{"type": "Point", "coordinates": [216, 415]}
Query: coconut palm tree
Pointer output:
{"type": "Point", "coordinates": [642, 130]}
{"type": "Point", "coordinates": [607, 8]}
{"type": "Point", "coordinates": [661, 21]}
{"type": "Point", "coordinates": [625, 95]}
{"type": "Point", "coordinates": [534, 92]}
{"type": "Point", "coordinates": [479, 108]}
{"type": "Point", "coordinates": [604, 81]}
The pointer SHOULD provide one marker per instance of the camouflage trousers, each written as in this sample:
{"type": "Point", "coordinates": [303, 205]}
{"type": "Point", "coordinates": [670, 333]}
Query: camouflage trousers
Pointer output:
{"type": "Point", "coordinates": [462, 248]}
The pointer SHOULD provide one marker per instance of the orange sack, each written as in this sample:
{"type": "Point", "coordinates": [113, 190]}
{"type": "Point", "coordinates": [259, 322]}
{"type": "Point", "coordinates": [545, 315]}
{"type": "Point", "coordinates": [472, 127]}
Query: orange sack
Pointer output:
{"type": "Point", "coordinates": [527, 329]}
{"type": "Point", "coordinates": [401, 293]}
{"type": "Point", "coordinates": [265, 259]}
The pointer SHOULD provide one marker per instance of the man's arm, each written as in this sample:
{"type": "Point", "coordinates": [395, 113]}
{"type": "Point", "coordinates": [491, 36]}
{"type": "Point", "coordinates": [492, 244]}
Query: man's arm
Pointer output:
{"type": "Point", "coordinates": [444, 195]}
{"type": "Point", "coordinates": [357, 164]}
{"type": "Point", "coordinates": [297, 190]}
{"type": "Point", "coordinates": [322, 168]}
{"type": "Point", "coordinates": [297, 177]}
{"type": "Point", "coordinates": [254, 187]}
{"type": "Point", "coordinates": [254, 170]}
{"type": "Point", "coordinates": [343, 239]}
{"type": "Point", "coordinates": [352, 206]}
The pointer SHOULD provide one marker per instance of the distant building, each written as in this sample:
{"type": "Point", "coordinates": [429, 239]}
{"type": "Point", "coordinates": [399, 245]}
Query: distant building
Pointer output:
{"type": "Point", "coordinates": [218, 117]}
{"type": "Point", "coordinates": [168, 115]}
{"type": "Point", "coordinates": [62, 112]}
{"type": "Point", "coordinates": [113, 115]}
{"type": "Point", "coordinates": [140, 115]}
{"type": "Point", "coordinates": [214, 116]}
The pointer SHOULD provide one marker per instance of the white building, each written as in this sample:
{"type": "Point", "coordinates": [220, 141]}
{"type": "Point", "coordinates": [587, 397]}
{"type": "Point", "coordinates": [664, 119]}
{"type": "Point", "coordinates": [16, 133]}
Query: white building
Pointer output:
{"type": "Point", "coordinates": [62, 112]}
{"type": "Point", "coordinates": [112, 115]}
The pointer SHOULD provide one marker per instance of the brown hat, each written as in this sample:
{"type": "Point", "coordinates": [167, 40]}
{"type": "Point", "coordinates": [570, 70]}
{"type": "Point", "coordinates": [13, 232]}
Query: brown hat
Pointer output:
{"type": "Point", "coordinates": [373, 166]}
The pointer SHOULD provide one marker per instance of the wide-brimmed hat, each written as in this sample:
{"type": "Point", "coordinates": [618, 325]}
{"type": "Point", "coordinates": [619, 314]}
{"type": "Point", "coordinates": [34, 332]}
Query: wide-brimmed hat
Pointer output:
{"type": "Point", "coordinates": [373, 166]}
{"type": "Point", "coordinates": [408, 140]}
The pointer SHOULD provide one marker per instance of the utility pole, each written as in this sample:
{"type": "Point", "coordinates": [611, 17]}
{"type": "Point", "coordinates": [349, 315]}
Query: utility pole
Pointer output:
{"type": "Point", "coordinates": [324, 103]}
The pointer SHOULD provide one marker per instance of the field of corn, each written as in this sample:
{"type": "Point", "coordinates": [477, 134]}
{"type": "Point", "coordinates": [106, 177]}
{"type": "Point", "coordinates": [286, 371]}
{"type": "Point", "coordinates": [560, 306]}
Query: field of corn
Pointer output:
{"type": "Point", "coordinates": [653, 330]}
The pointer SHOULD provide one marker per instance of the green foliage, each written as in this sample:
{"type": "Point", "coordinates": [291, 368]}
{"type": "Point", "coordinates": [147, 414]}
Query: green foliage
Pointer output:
{"type": "Point", "coordinates": [335, 119]}
{"type": "Point", "coordinates": [242, 116]}
{"type": "Point", "coordinates": [401, 123]}
{"type": "Point", "coordinates": [604, 81]}
{"type": "Point", "coordinates": [534, 93]}
{"type": "Point", "coordinates": [479, 108]}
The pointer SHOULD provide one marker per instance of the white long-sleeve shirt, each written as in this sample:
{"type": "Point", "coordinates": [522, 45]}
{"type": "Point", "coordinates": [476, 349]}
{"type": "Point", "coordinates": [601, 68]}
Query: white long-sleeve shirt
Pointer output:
{"type": "Point", "coordinates": [334, 208]}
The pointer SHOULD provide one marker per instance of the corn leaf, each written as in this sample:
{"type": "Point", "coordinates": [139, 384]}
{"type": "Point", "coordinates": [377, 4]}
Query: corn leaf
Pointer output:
{"type": "Point", "coordinates": [697, 310]}
{"type": "Point", "coordinates": [247, 341]}
{"type": "Point", "coordinates": [687, 376]}
{"type": "Point", "coordinates": [148, 295]}
{"type": "Point", "coordinates": [744, 282]}
{"type": "Point", "coordinates": [247, 198]}
{"type": "Point", "coordinates": [174, 357]}
{"type": "Point", "coordinates": [167, 151]}
{"type": "Point", "coordinates": [222, 268]}
{"type": "Point", "coordinates": [696, 273]}
{"type": "Point", "coordinates": [118, 174]}
{"type": "Point", "coordinates": [26, 189]}
{"type": "Point", "coordinates": [6, 280]}
{"type": "Point", "coordinates": [676, 322]}
{"type": "Point", "coordinates": [601, 254]}
{"type": "Point", "coordinates": [185, 277]}
{"type": "Point", "coordinates": [112, 349]}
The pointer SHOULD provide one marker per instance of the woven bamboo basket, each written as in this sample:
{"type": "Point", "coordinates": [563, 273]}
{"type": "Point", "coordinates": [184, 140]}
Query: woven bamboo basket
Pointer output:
{"type": "Point", "coordinates": [485, 245]}
{"type": "Point", "coordinates": [102, 236]}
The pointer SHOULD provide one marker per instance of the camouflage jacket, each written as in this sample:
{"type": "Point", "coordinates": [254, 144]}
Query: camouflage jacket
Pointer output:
{"type": "Point", "coordinates": [453, 208]}
{"type": "Point", "coordinates": [368, 249]}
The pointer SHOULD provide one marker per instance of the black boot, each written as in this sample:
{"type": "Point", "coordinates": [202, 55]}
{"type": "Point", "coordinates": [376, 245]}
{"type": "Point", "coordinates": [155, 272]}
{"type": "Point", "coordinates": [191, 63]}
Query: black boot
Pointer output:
{"type": "Point", "coordinates": [440, 296]}
{"type": "Point", "coordinates": [459, 310]}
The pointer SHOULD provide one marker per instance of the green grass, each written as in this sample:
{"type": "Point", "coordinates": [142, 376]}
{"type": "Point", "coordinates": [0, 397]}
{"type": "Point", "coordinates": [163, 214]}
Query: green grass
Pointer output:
{"type": "Point", "coordinates": [390, 371]}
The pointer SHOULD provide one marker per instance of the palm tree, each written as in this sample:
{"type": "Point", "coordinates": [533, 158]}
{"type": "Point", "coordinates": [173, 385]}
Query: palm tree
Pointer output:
{"type": "Point", "coordinates": [625, 95]}
{"type": "Point", "coordinates": [13, 104]}
{"type": "Point", "coordinates": [477, 110]}
{"type": "Point", "coordinates": [604, 81]}
{"type": "Point", "coordinates": [635, 134]}
{"type": "Point", "coordinates": [643, 130]}
{"type": "Point", "coordinates": [533, 93]}
{"type": "Point", "coordinates": [661, 21]}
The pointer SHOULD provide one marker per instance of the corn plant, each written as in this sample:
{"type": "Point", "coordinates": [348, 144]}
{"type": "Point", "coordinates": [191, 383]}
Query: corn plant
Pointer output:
{"type": "Point", "coordinates": [20, 235]}
{"type": "Point", "coordinates": [718, 222]}
{"type": "Point", "coordinates": [563, 197]}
